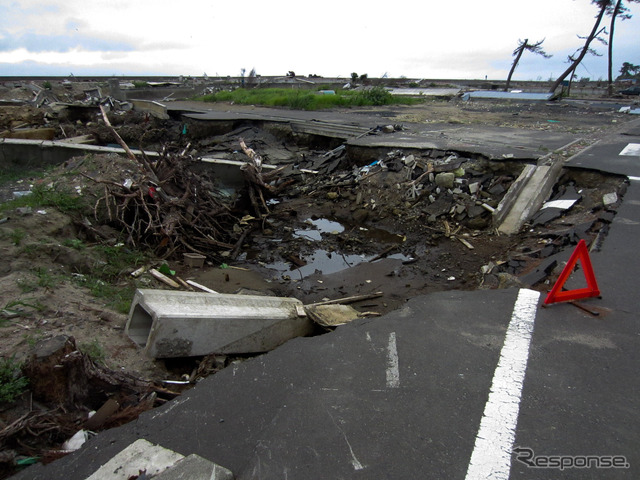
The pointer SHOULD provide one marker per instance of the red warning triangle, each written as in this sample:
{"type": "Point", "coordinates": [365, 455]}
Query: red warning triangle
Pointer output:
{"type": "Point", "coordinates": [557, 295]}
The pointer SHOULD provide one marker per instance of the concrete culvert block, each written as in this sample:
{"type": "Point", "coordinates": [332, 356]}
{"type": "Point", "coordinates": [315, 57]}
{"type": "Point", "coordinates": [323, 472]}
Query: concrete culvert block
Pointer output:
{"type": "Point", "coordinates": [182, 324]}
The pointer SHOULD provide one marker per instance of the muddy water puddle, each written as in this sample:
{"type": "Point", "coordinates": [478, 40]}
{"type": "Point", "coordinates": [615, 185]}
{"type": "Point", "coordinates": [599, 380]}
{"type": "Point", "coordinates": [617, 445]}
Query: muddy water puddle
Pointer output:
{"type": "Point", "coordinates": [325, 262]}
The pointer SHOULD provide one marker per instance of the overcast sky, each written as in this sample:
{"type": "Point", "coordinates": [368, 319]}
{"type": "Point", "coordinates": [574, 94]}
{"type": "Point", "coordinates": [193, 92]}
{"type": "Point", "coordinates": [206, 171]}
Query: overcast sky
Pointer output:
{"type": "Point", "coordinates": [418, 39]}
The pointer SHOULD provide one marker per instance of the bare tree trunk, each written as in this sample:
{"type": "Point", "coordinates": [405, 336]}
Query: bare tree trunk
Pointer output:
{"type": "Point", "coordinates": [612, 27]}
{"type": "Point", "coordinates": [571, 78]}
{"type": "Point", "coordinates": [515, 63]}
{"type": "Point", "coordinates": [584, 50]}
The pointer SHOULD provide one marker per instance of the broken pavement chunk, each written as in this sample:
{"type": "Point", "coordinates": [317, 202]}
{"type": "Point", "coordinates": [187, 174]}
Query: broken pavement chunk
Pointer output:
{"type": "Point", "coordinates": [183, 324]}
{"type": "Point", "coordinates": [555, 208]}
{"type": "Point", "coordinates": [140, 456]}
{"type": "Point", "coordinates": [609, 198]}
{"type": "Point", "coordinates": [195, 467]}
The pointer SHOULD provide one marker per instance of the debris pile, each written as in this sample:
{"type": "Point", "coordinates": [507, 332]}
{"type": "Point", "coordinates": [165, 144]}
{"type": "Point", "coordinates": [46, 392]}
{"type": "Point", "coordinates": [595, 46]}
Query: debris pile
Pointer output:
{"type": "Point", "coordinates": [577, 211]}
{"type": "Point", "coordinates": [168, 208]}
{"type": "Point", "coordinates": [434, 187]}
{"type": "Point", "coordinates": [69, 112]}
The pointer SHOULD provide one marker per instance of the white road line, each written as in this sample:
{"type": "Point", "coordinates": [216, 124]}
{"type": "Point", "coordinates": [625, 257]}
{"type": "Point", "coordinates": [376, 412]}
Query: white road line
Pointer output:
{"type": "Point", "coordinates": [393, 371]}
{"type": "Point", "coordinates": [491, 457]}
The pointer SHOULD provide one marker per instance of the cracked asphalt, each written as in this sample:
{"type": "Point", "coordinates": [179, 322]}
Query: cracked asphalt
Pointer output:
{"type": "Point", "coordinates": [406, 395]}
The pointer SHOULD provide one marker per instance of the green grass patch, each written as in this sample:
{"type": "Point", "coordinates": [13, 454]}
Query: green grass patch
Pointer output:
{"type": "Point", "coordinates": [43, 196]}
{"type": "Point", "coordinates": [46, 279]}
{"type": "Point", "coordinates": [117, 260]}
{"type": "Point", "coordinates": [94, 350]}
{"type": "Point", "coordinates": [29, 250]}
{"type": "Point", "coordinates": [26, 285]}
{"type": "Point", "coordinates": [74, 243]}
{"type": "Point", "coordinates": [17, 307]}
{"type": "Point", "coordinates": [117, 297]}
{"type": "Point", "coordinates": [309, 99]}
{"type": "Point", "coordinates": [106, 280]}
{"type": "Point", "coordinates": [15, 173]}
{"type": "Point", "coordinates": [16, 236]}
{"type": "Point", "coordinates": [12, 383]}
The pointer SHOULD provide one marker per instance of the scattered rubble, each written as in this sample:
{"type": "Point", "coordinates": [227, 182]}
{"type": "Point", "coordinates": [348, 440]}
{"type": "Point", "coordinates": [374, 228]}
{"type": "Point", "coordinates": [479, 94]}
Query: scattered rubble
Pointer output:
{"type": "Point", "coordinates": [306, 220]}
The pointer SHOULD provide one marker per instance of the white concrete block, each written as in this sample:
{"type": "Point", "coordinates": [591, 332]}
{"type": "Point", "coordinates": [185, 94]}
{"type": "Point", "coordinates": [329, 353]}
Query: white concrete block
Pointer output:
{"type": "Point", "coordinates": [182, 324]}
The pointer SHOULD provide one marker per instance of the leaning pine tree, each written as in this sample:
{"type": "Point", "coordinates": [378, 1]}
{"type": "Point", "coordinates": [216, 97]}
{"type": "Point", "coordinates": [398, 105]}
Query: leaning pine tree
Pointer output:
{"type": "Point", "coordinates": [603, 5]}
{"type": "Point", "coordinates": [619, 10]}
{"type": "Point", "coordinates": [522, 46]}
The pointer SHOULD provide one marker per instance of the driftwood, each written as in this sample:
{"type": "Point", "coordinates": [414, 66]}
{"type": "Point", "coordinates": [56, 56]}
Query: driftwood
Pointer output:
{"type": "Point", "coordinates": [255, 180]}
{"type": "Point", "coordinates": [170, 209]}
{"type": "Point", "coordinates": [347, 300]}
{"type": "Point", "coordinates": [163, 278]}
{"type": "Point", "coordinates": [167, 207]}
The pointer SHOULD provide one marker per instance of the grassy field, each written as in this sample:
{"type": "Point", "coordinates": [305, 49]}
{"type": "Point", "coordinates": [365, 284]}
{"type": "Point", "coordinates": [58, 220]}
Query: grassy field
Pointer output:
{"type": "Point", "coordinates": [309, 99]}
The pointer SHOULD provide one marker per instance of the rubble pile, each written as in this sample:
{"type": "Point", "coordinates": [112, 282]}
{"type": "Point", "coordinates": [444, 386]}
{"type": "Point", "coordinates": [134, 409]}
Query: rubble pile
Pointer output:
{"type": "Point", "coordinates": [434, 192]}
{"type": "Point", "coordinates": [70, 112]}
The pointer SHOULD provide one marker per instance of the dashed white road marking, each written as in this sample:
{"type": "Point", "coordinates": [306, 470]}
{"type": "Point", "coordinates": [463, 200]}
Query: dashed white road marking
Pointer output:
{"type": "Point", "coordinates": [393, 370]}
{"type": "Point", "coordinates": [491, 457]}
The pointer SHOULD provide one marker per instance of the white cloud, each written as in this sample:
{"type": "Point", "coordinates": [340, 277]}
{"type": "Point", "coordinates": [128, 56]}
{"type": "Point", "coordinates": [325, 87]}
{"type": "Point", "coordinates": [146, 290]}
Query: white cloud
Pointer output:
{"type": "Point", "coordinates": [467, 39]}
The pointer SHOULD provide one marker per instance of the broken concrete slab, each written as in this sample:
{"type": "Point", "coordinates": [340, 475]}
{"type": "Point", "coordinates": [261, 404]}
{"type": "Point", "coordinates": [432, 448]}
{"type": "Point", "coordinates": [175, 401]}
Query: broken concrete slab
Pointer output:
{"type": "Point", "coordinates": [30, 133]}
{"type": "Point", "coordinates": [515, 95]}
{"type": "Point", "coordinates": [182, 324]}
{"type": "Point", "coordinates": [194, 467]}
{"type": "Point", "coordinates": [525, 197]}
{"type": "Point", "coordinates": [556, 207]}
{"type": "Point", "coordinates": [51, 152]}
{"type": "Point", "coordinates": [313, 126]}
{"type": "Point", "coordinates": [152, 107]}
{"type": "Point", "coordinates": [514, 192]}
{"type": "Point", "coordinates": [228, 171]}
{"type": "Point", "coordinates": [140, 456]}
